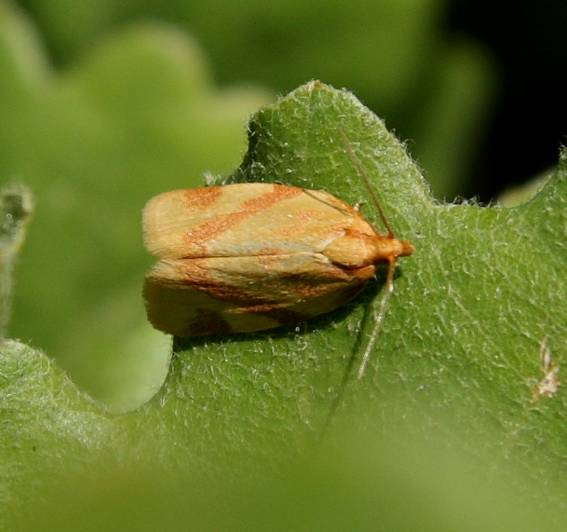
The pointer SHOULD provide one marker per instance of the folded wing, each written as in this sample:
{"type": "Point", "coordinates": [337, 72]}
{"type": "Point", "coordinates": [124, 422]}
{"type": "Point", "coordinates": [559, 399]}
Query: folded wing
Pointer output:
{"type": "Point", "coordinates": [190, 297]}
{"type": "Point", "coordinates": [245, 220]}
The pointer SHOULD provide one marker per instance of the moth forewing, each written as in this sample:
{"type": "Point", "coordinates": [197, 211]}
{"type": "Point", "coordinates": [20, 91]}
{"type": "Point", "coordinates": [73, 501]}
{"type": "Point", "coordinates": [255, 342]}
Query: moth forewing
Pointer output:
{"type": "Point", "coordinates": [251, 219]}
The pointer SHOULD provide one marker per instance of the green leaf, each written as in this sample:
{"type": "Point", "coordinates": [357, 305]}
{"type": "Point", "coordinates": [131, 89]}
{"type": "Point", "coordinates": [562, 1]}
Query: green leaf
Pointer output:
{"type": "Point", "coordinates": [47, 427]}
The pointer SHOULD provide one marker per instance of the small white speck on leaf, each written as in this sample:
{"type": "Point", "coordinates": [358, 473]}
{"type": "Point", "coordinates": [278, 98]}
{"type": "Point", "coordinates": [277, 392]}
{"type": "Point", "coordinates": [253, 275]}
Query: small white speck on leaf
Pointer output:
{"type": "Point", "coordinates": [549, 384]}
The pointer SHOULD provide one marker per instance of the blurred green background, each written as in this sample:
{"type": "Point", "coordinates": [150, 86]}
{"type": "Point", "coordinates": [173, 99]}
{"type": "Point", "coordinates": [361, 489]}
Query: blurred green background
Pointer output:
{"type": "Point", "coordinates": [106, 103]}
{"type": "Point", "coordinates": [477, 92]}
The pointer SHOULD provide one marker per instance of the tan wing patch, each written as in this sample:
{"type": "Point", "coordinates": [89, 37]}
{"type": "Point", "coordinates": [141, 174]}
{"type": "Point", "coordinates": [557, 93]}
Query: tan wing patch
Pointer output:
{"type": "Point", "coordinates": [245, 293]}
{"type": "Point", "coordinates": [186, 224]}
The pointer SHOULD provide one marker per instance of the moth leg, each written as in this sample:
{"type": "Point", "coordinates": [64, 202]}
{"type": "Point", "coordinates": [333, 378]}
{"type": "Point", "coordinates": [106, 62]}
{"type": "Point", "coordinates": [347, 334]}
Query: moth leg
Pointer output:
{"type": "Point", "coordinates": [378, 318]}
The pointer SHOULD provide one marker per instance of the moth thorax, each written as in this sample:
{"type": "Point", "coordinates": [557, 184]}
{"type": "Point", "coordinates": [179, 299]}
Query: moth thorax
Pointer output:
{"type": "Point", "coordinates": [355, 250]}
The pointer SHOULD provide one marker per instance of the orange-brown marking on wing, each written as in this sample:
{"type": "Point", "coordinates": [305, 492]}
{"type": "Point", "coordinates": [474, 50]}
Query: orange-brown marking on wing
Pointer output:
{"type": "Point", "coordinates": [200, 235]}
{"type": "Point", "coordinates": [265, 201]}
{"type": "Point", "coordinates": [307, 289]}
{"type": "Point", "coordinates": [202, 198]}
{"type": "Point", "coordinates": [196, 274]}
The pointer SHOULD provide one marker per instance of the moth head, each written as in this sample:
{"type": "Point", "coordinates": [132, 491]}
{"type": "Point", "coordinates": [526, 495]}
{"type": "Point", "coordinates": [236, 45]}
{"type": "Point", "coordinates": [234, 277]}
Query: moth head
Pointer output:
{"type": "Point", "coordinates": [390, 248]}
{"type": "Point", "coordinates": [405, 248]}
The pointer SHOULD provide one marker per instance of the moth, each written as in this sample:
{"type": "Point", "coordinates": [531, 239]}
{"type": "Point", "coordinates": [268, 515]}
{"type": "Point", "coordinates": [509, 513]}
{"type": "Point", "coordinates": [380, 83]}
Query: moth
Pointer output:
{"type": "Point", "coordinates": [248, 257]}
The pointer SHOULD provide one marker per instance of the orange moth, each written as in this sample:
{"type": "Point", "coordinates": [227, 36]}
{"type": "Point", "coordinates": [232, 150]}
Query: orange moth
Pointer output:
{"type": "Point", "coordinates": [253, 256]}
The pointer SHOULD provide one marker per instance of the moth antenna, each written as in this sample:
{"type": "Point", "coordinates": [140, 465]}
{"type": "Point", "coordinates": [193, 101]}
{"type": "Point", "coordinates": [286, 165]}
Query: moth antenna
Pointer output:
{"type": "Point", "coordinates": [366, 181]}
{"type": "Point", "coordinates": [388, 291]}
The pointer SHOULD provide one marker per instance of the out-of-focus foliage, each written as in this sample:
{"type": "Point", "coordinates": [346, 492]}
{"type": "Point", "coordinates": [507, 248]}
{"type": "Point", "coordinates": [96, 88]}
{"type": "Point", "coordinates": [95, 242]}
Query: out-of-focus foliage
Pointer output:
{"type": "Point", "coordinates": [15, 211]}
{"type": "Point", "coordinates": [432, 88]}
{"type": "Point", "coordinates": [136, 116]}
{"type": "Point", "coordinates": [520, 194]}
{"type": "Point", "coordinates": [364, 483]}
